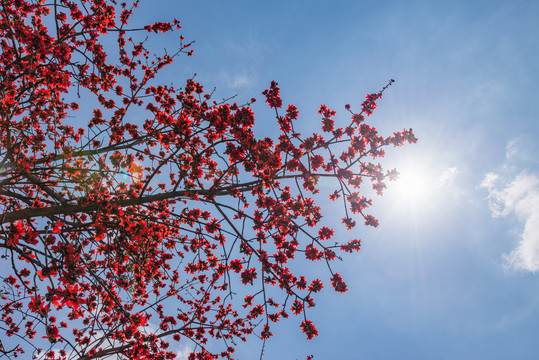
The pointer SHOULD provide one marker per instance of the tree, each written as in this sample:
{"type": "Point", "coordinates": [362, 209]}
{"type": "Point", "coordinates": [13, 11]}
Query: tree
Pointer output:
{"type": "Point", "coordinates": [156, 216]}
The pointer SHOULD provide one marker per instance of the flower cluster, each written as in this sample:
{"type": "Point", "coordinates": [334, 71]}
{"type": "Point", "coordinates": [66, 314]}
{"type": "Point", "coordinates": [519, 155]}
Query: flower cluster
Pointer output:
{"type": "Point", "coordinates": [158, 205]}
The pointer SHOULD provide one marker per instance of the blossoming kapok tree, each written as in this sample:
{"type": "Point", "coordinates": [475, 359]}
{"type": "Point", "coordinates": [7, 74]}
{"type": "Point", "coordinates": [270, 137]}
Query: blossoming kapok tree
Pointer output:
{"type": "Point", "coordinates": [153, 216]}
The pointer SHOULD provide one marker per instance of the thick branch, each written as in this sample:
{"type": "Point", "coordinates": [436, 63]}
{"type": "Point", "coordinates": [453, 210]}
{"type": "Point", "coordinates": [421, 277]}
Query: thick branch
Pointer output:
{"type": "Point", "coordinates": [68, 209]}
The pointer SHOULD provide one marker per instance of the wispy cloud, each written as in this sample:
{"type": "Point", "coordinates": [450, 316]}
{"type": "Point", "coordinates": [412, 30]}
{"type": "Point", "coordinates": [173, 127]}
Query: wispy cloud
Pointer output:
{"type": "Point", "coordinates": [517, 195]}
{"type": "Point", "coordinates": [521, 152]}
{"type": "Point", "coordinates": [238, 80]}
{"type": "Point", "coordinates": [447, 178]}
{"type": "Point", "coordinates": [184, 352]}
{"type": "Point", "coordinates": [244, 58]}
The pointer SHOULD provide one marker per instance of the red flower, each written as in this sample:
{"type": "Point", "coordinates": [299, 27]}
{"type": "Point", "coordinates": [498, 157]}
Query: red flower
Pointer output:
{"type": "Point", "coordinates": [16, 233]}
{"type": "Point", "coordinates": [266, 332]}
{"type": "Point", "coordinates": [247, 276]}
{"type": "Point", "coordinates": [309, 329]}
{"type": "Point", "coordinates": [272, 96]}
{"type": "Point", "coordinates": [371, 221]}
{"type": "Point", "coordinates": [236, 265]}
{"type": "Point", "coordinates": [297, 307]}
{"type": "Point", "coordinates": [312, 253]}
{"type": "Point", "coordinates": [316, 286]}
{"type": "Point", "coordinates": [52, 333]}
{"type": "Point", "coordinates": [351, 246]}
{"type": "Point", "coordinates": [325, 233]}
{"type": "Point", "coordinates": [338, 284]}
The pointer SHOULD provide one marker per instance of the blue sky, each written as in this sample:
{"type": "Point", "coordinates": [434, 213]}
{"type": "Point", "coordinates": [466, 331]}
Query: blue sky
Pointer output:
{"type": "Point", "coordinates": [452, 270]}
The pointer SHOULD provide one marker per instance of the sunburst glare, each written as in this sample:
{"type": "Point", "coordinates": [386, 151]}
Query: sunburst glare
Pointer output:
{"type": "Point", "coordinates": [420, 186]}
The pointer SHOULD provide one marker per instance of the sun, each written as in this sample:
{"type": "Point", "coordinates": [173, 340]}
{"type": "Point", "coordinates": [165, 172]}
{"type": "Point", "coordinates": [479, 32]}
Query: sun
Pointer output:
{"type": "Point", "coordinates": [414, 185]}
{"type": "Point", "coordinates": [423, 187]}
{"type": "Point", "coordinates": [416, 189]}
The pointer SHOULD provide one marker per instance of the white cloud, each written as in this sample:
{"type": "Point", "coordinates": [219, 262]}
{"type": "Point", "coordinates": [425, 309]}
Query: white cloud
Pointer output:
{"type": "Point", "coordinates": [237, 81]}
{"type": "Point", "coordinates": [519, 197]}
{"type": "Point", "coordinates": [511, 149]}
{"type": "Point", "coordinates": [485, 95]}
{"type": "Point", "coordinates": [241, 81]}
{"type": "Point", "coordinates": [521, 152]}
{"type": "Point", "coordinates": [242, 62]}
{"type": "Point", "coordinates": [447, 178]}
{"type": "Point", "coordinates": [184, 352]}
{"type": "Point", "coordinates": [490, 180]}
